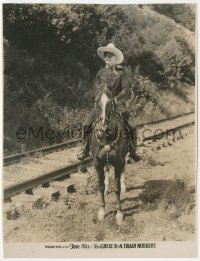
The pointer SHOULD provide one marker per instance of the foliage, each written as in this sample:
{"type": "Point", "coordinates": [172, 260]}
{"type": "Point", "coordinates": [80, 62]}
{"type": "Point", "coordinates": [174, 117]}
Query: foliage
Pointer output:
{"type": "Point", "coordinates": [50, 59]}
{"type": "Point", "coordinates": [177, 60]}
{"type": "Point", "coordinates": [59, 117]}
{"type": "Point", "coordinates": [143, 91]}
{"type": "Point", "coordinates": [181, 13]}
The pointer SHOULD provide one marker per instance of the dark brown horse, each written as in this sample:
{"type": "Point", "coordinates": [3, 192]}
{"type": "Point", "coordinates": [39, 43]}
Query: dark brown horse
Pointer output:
{"type": "Point", "coordinates": [109, 147]}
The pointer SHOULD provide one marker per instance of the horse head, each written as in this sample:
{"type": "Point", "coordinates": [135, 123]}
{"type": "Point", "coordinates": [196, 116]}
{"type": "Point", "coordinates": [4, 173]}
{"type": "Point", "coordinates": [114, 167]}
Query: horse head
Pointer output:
{"type": "Point", "coordinates": [104, 109]}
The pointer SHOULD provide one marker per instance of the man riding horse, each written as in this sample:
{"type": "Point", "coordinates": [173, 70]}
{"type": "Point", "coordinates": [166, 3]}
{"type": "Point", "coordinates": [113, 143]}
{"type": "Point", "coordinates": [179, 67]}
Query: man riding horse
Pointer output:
{"type": "Point", "coordinates": [112, 78]}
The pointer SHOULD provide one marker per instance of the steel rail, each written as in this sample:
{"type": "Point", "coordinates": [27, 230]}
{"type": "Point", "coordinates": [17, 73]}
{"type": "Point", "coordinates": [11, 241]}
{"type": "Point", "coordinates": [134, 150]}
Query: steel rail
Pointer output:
{"type": "Point", "coordinates": [29, 184]}
{"type": "Point", "coordinates": [20, 187]}
{"type": "Point", "coordinates": [165, 119]}
{"type": "Point", "coordinates": [159, 136]}
{"type": "Point", "coordinates": [17, 157]}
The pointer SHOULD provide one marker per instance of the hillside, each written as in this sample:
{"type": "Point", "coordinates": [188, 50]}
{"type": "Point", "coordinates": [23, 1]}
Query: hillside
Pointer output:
{"type": "Point", "coordinates": [50, 62]}
{"type": "Point", "coordinates": [187, 34]}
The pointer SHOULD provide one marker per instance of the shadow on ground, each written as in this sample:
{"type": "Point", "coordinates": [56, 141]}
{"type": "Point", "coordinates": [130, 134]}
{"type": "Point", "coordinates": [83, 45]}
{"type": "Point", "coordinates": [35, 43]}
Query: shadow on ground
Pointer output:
{"type": "Point", "coordinates": [156, 194]}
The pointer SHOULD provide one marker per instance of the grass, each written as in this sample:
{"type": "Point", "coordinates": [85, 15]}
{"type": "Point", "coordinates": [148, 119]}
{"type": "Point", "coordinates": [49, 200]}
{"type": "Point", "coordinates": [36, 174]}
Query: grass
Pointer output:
{"type": "Point", "coordinates": [171, 102]}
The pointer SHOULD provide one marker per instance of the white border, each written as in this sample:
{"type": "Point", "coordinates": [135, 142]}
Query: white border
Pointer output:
{"type": "Point", "coordinates": [104, 1]}
{"type": "Point", "coordinates": [97, 2]}
{"type": "Point", "coordinates": [1, 132]}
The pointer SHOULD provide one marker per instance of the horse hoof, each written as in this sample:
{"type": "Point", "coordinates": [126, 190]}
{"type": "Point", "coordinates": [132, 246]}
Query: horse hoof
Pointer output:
{"type": "Point", "coordinates": [119, 218]}
{"type": "Point", "coordinates": [101, 214]}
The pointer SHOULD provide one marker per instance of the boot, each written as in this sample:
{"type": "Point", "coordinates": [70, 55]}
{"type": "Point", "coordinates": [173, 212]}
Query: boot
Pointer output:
{"type": "Point", "coordinates": [85, 150]}
{"type": "Point", "coordinates": [134, 156]}
{"type": "Point", "coordinates": [132, 147]}
{"type": "Point", "coordinates": [83, 155]}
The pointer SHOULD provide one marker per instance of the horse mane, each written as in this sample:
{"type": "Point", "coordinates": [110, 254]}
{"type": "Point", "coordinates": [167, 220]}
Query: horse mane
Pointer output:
{"type": "Point", "coordinates": [108, 93]}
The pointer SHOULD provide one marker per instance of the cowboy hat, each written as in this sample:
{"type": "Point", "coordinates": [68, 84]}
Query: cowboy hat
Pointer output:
{"type": "Point", "coordinates": [112, 49]}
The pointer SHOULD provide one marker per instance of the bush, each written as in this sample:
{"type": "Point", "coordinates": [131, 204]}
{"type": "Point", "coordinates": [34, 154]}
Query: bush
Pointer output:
{"type": "Point", "coordinates": [50, 61]}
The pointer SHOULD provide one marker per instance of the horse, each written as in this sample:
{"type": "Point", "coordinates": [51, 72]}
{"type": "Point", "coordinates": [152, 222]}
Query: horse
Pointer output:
{"type": "Point", "coordinates": [108, 147]}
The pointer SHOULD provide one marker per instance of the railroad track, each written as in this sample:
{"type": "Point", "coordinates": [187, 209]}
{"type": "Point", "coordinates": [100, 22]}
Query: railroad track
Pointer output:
{"type": "Point", "coordinates": [70, 144]}
{"type": "Point", "coordinates": [17, 157]}
{"type": "Point", "coordinates": [48, 175]}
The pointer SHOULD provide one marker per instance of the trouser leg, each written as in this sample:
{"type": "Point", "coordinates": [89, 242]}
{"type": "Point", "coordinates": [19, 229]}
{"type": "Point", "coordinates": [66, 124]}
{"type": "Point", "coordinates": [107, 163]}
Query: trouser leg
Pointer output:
{"type": "Point", "coordinates": [87, 129]}
{"type": "Point", "coordinates": [132, 137]}
{"type": "Point", "coordinates": [131, 130]}
{"type": "Point", "coordinates": [86, 138]}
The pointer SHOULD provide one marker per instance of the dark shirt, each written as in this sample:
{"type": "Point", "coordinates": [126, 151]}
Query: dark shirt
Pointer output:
{"type": "Point", "coordinates": [116, 81]}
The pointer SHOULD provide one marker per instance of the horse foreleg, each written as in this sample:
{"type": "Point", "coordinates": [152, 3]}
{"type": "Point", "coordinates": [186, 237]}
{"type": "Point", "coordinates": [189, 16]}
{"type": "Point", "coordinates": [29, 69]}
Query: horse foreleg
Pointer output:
{"type": "Point", "coordinates": [123, 185]}
{"type": "Point", "coordinates": [101, 187]}
{"type": "Point", "coordinates": [107, 183]}
{"type": "Point", "coordinates": [119, 215]}
{"type": "Point", "coordinates": [117, 192]}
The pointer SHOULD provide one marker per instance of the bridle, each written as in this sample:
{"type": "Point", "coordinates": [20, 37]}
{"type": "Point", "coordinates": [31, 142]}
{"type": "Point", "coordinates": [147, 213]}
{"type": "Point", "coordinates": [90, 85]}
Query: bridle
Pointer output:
{"type": "Point", "coordinates": [111, 145]}
{"type": "Point", "coordinates": [104, 118]}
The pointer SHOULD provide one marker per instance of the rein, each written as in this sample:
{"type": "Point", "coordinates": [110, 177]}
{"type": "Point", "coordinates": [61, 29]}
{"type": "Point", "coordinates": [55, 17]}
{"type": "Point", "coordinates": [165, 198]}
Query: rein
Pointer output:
{"type": "Point", "coordinates": [106, 146]}
{"type": "Point", "coordinates": [109, 120]}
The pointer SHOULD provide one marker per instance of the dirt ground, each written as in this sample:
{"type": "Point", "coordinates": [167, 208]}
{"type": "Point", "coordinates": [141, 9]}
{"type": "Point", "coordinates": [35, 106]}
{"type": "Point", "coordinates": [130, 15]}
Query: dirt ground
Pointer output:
{"type": "Point", "coordinates": [159, 204]}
